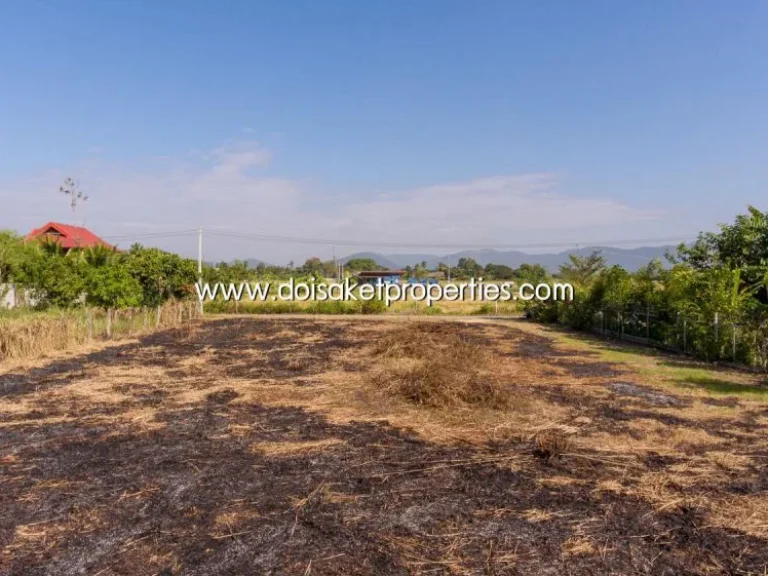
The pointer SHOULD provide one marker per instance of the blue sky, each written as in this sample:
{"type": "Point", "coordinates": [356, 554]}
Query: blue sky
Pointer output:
{"type": "Point", "coordinates": [424, 122]}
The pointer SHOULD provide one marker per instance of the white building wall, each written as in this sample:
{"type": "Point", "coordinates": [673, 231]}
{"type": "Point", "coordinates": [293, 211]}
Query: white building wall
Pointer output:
{"type": "Point", "coordinates": [7, 296]}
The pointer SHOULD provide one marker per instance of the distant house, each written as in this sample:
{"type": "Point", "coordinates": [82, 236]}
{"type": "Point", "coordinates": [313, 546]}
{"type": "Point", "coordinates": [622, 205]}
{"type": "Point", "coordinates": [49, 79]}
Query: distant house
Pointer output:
{"type": "Point", "coordinates": [428, 278]}
{"type": "Point", "coordinates": [68, 237]}
{"type": "Point", "coordinates": [381, 276]}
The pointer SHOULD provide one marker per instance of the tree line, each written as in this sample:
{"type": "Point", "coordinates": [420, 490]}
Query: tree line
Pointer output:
{"type": "Point", "coordinates": [711, 299]}
{"type": "Point", "coordinates": [45, 276]}
{"type": "Point", "coordinates": [240, 270]}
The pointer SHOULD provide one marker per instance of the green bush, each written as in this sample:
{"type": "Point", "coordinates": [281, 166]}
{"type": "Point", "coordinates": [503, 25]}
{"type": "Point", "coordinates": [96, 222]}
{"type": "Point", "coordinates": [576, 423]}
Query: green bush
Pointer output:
{"type": "Point", "coordinates": [332, 308]}
{"type": "Point", "coordinates": [484, 309]}
{"type": "Point", "coordinates": [432, 310]}
{"type": "Point", "coordinates": [374, 306]}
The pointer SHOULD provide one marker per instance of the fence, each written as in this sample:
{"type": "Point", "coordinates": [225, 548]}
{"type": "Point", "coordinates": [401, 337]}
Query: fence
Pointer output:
{"type": "Point", "coordinates": [714, 338]}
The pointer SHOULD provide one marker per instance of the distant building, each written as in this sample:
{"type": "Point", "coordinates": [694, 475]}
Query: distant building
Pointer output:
{"type": "Point", "coordinates": [68, 237]}
{"type": "Point", "coordinates": [425, 280]}
{"type": "Point", "coordinates": [381, 276]}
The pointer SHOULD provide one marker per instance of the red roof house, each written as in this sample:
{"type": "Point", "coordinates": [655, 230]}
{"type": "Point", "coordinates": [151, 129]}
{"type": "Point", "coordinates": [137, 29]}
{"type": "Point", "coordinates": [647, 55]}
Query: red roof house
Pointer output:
{"type": "Point", "coordinates": [68, 237]}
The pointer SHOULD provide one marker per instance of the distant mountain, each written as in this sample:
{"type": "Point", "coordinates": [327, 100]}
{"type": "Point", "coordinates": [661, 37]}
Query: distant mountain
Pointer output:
{"type": "Point", "coordinates": [629, 258]}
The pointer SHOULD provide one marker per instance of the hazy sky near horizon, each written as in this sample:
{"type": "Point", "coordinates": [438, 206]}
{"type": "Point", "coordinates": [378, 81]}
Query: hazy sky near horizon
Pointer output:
{"type": "Point", "coordinates": [423, 123]}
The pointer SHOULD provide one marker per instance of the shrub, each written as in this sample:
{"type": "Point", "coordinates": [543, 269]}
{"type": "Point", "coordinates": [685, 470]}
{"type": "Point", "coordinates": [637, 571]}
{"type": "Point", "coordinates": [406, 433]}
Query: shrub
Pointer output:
{"type": "Point", "coordinates": [332, 308]}
{"type": "Point", "coordinates": [485, 309]}
{"type": "Point", "coordinates": [373, 306]}
{"type": "Point", "coordinates": [432, 310]}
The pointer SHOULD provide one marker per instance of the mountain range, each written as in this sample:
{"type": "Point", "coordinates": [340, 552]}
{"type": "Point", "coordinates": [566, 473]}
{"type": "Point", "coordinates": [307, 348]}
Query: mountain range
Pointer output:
{"type": "Point", "coordinates": [629, 258]}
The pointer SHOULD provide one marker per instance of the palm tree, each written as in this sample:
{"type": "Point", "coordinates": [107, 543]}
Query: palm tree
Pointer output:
{"type": "Point", "coordinates": [98, 255]}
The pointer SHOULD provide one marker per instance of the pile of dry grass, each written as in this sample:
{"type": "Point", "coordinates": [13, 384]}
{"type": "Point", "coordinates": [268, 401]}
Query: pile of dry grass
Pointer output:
{"type": "Point", "coordinates": [433, 365]}
{"type": "Point", "coordinates": [551, 440]}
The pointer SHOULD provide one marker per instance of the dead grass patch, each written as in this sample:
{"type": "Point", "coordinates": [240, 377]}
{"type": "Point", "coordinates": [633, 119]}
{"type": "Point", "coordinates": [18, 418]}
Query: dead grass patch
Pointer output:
{"type": "Point", "coordinates": [393, 448]}
{"type": "Point", "coordinates": [278, 449]}
{"type": "Point", "coordinates": [578, 546]}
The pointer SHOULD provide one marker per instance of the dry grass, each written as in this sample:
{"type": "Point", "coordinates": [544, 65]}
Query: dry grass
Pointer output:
{"type": "Point", "coordinates": [438, 368]}
{"type": "Point", "coordinates": [34, 334]}
{"type": "Point", "coordinates": [497, 392]}
{"type": "Point", "coordinates": [293, 448]}
{"type": "Point", "coordinates": [552, 440]}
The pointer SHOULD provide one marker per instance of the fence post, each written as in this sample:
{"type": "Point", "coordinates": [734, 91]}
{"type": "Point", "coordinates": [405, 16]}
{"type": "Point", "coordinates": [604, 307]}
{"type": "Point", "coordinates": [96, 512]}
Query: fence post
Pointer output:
{"type": "Point", "coordinates": [648, 324]}
{"type": "Point", "coordinates": [717, 335]}
{"type": "Point", "coordinates": [89, 321]}
{"type": "Point", "coordinates": [109, 323]}
{"type": "Point", "coordinates": [621, 325]}
{"type": "Point", "coordinates": [685, 335]}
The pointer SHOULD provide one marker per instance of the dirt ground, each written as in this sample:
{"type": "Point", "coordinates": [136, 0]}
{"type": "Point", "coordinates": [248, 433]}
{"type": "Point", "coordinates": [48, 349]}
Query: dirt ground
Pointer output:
{"type": "Point", "coordinates": [243, 446]}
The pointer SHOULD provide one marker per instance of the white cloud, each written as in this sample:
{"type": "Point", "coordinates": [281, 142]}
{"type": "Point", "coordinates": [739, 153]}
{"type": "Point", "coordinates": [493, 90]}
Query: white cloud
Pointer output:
{"type": "Point", "coordinates": [223, 189]}
{"type": "Point", "coordinates": [238, 158]}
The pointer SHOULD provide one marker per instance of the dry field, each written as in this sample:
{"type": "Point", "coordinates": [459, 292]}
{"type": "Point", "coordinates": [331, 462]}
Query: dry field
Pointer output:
{"type": "Point", "coordinates": [379, 446]}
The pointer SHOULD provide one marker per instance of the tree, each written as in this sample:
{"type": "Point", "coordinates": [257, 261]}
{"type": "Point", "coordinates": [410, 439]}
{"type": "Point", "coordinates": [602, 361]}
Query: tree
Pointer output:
{"type": "Point", "coordinates": [531, 273]}
{"type": "Point", "coordinates": [743, 244]}
{"type": "Point", "coordinates": [161, 275]}
{"type": "Point", "coordinates": [362, 264]}
{"type": "Point", "coordinates": [10, 250]}
{"type": "Point", "coordinates": [499, 272]}
{"type": "Point", "coordinates": [312, 265]}
{"type": "Point", "coordinates": [329, 269]}
{"type": "Point", "coordinates": [581, 270]}
{"type": "Point", "coordinates": [420, 270]}
{"type": "Point", "coordinates": [11, 255]}
{"type": "Point", "coordinates": [468, 268]}
{"type": "Point", "coordinates": [52, 277]}
{"type": "Point", "coordinates": [616, 285]}
{"type": "Point", "coordinates": [110, 285]}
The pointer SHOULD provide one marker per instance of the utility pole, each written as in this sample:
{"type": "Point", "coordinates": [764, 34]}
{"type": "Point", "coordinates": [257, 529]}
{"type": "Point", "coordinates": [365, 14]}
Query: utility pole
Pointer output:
{"type": "Point", "coordinates": [200, 264]}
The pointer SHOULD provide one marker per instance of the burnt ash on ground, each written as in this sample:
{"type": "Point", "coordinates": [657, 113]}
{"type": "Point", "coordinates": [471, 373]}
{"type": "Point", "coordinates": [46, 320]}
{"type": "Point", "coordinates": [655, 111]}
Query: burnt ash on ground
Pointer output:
{"type": "Point", "coordinates": [187, 496]}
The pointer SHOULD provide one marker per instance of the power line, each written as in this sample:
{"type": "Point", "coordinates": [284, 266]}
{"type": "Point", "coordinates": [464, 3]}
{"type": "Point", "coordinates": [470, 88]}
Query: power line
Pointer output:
{"type": "Point", "coordinates": [374, 243]}
{"type": "Point", "coordinates": [168, 234]}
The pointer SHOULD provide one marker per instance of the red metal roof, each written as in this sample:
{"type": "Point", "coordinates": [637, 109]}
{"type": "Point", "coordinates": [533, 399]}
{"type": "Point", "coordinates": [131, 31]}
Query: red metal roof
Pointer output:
{"type": "Point", "coordinates": [68, 236]}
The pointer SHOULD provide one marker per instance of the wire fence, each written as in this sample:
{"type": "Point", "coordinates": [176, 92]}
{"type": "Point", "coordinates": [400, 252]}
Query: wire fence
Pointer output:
{"type": "Point", "coordinates": [714, 338]}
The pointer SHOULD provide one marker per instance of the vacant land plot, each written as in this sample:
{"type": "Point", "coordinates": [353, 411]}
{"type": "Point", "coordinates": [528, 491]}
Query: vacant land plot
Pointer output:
{"type": "Point", "coordinates": [344, 446]}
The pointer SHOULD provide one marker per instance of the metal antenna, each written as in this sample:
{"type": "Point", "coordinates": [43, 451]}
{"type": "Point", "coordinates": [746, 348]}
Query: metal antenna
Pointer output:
{"type": "Point", "coordinates": [71, 189]}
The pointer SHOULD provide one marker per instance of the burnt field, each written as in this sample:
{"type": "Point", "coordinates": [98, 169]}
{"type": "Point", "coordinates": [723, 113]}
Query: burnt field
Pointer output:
{"type": "Point", "coordinates": [342, 446]}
